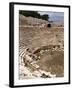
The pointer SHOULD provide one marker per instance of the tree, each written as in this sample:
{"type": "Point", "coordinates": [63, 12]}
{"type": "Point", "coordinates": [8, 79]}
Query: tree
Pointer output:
{"type": "Point", "coordinates": [45, 17]}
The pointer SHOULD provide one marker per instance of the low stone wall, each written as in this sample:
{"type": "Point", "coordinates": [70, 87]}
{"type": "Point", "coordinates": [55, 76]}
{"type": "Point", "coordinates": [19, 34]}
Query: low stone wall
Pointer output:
{"type": "Point", "coordinates": [35, 25]}
{"type": "Point", "coordinates": [50, 47]}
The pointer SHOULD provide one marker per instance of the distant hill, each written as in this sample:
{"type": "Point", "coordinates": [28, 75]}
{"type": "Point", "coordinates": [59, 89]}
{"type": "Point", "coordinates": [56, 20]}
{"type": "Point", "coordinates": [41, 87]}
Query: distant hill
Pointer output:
{"type": "Point", "coordinates": [53, 16]}
{"type": "Point", "coordinates": [56, 18]}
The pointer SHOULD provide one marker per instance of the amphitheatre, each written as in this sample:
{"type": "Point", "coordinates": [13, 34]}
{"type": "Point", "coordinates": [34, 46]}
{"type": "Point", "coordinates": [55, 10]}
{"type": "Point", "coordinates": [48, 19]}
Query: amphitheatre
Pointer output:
{"type": "Point", "coordinates": [41, 48]}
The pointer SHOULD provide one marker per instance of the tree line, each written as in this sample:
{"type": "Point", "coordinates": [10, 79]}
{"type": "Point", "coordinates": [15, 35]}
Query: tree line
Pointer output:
{"type": "Point", "coordinates": [34, 14]}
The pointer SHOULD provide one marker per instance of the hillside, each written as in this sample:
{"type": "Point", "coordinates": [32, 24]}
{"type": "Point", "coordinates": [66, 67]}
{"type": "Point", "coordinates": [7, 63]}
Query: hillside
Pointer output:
{"type": "Point", "coordinates": [41, 48]}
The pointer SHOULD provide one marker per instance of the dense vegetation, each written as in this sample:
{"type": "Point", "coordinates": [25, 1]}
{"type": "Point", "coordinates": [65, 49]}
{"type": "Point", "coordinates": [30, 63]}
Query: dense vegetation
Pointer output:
{"type": "Point", "coordinates": [34, 14]}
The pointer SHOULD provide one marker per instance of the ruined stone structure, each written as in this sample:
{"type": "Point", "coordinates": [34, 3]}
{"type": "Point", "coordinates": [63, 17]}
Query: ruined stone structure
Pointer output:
{"type": "Point", "coordinates": [41, 48]}
{"type": "Point", "coordinates": [30, 58]}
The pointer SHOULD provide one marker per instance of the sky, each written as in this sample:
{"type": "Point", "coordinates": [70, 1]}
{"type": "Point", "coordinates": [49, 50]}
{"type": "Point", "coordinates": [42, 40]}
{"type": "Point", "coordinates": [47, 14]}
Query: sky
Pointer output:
{"type": "Point", "coordinates": [54, 16]}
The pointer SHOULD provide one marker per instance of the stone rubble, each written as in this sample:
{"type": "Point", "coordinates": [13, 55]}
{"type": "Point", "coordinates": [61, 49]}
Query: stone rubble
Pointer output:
{"type": "Point", "coordinates": [26, 71]}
